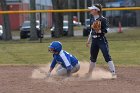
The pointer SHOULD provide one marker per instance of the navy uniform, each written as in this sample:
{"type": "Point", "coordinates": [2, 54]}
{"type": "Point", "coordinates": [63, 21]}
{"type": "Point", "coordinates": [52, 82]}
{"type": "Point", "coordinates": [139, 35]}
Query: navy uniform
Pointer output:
{"type": "Point", "coordinates": [99, 40]}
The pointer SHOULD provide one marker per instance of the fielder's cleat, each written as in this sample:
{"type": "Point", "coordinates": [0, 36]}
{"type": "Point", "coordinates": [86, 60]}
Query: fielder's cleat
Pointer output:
{"type": "Point", "coordinates": [88, 75]}
{"type": "Point", "coordinates": [114, 76]}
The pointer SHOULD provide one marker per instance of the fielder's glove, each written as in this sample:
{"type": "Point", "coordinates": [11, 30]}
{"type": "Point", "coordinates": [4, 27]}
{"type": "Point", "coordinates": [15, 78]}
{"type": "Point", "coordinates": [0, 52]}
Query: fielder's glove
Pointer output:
{"type": "Point", "coordinates": [96, 26]}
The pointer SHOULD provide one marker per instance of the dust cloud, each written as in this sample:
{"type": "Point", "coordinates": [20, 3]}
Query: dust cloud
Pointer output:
{"type": "Point", "coordinates": [98, 74]}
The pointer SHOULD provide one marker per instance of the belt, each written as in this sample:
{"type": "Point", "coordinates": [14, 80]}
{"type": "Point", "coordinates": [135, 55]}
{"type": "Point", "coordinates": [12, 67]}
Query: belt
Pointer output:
{"type": "Point", "coordinates": [96, 36]}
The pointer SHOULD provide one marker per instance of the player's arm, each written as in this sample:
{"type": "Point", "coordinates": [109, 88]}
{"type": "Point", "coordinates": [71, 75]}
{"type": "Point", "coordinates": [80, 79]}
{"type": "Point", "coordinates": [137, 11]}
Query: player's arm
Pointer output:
{"type": "Point", "coordinates": [68, 66]}
{"type": "Point", "coordinates": [69, 71]}
{"type": "Point", "coordinates": [89, 37]}
{"type": "Point", "coordinates": [105, 25]}
{"type": "Point", "coordinates": [52, 67]}
{"type": "Point", "coordinates": [88, 40]}
{"type": "Point", "coordinates": [66, 60]}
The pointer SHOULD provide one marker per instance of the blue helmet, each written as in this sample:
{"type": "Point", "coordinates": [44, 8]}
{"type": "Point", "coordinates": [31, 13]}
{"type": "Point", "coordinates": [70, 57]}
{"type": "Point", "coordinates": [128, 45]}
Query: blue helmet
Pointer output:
{"type": "Point", "coordinates": [56, 46]}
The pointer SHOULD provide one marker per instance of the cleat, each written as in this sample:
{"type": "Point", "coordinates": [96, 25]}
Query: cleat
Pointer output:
{"type": "Point", "coordinates": [88, 75]}
{"type": "Point", "coordinates": [114, 76]}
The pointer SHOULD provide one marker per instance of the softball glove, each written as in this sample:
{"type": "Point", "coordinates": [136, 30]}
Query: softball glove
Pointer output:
{"type": "Point", "coordinates": [96, 26]}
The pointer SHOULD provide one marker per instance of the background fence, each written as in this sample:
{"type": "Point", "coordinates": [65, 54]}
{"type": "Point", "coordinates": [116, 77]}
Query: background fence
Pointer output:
{"type": "Point", "coordinates": [126, 16]}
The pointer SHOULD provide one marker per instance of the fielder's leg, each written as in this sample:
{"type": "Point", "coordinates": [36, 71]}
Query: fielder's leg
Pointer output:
{"type": "Point", "coordinates": [112, 69]}
{"type": "Point", "coordinates": [94, 50]}
{"type": "Point", "coordinates": [92, 65]}
{"type": "Point", "coordinates": [105, 50]}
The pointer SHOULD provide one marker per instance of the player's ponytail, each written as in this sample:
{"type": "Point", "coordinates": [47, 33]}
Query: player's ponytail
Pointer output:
{"type": "Point", "coordinates": [100, 7]}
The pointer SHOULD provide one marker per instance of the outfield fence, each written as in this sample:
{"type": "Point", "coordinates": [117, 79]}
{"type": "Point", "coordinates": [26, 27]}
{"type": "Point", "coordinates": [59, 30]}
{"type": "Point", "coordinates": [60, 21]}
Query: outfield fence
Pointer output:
{"type": "Point", "coordinates": [113, 14]}
{"type": "Point", "coordinates": [127, 16]}
{"type": "Point", "coordinates": [67, 10]}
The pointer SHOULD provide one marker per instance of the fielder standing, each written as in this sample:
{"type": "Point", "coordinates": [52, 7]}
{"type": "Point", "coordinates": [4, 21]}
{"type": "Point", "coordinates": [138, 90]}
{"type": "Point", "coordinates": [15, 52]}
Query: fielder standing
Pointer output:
{"type": "Point", "coordinates": [99, 27]}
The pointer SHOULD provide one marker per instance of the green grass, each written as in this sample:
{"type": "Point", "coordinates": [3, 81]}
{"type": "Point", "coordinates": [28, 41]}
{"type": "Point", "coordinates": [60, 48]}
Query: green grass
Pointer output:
{"type": "Point", "coordinates": [124, 49]}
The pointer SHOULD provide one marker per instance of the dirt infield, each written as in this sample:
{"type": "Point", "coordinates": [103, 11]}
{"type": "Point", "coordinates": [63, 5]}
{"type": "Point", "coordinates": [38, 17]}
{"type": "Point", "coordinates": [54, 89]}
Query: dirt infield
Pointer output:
{"type": "Point", "coordinates": [19, 79]}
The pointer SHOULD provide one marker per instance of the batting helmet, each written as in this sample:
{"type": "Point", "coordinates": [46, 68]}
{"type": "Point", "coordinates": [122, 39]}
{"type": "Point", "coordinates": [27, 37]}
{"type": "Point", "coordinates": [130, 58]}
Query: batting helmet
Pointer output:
{"type": "Point", "coordinates": [55, 46]}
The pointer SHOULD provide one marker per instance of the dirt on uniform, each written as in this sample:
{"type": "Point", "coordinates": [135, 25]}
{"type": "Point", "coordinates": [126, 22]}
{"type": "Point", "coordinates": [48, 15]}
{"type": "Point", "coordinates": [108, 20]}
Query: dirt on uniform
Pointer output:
{"type": "Point", "coordinates": [28, 79]}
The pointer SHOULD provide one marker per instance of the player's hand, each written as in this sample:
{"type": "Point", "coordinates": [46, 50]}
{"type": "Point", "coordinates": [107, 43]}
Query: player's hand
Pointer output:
{"type": "Point", "coordinates": [87, 44]}
{"type": "Point", "coordinates": [68, 73]}
{"type": "Point", "coordinates": [48, 74]}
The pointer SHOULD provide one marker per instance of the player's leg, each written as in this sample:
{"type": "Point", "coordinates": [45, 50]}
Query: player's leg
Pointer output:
{"type": "Point", "coordinates": [112, 69]}
{"type": "Point", "coordinates": [76, 68]}
{"type": "Point", "coordinates": [93, 57]}
{"type": "Point", "coordinates": [105, 50]}
{"type": "Point", "coordinates": [61, 71]}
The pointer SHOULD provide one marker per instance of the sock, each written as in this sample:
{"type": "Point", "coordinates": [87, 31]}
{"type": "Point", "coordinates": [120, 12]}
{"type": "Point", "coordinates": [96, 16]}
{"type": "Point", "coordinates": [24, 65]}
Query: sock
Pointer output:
{"type": "Point", "coordinates": [111, 67]}
{"type": "Point", "coordinates": [92, 66]}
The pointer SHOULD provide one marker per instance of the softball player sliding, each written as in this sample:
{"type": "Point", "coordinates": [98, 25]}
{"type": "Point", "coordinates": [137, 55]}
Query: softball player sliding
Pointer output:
{"type": "Point", "coordinates": [99, 41]}
{"type": "Point", "coordinates": [68, 63]}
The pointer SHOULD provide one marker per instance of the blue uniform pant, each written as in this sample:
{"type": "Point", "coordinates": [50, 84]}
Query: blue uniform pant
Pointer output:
{"type": "Point", "coordinates": [102, 44]}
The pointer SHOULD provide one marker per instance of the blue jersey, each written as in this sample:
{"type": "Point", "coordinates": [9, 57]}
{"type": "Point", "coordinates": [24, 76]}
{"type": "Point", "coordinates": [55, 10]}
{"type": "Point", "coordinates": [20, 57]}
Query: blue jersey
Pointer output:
{"type": "Point", "coordinates": [64, 58]}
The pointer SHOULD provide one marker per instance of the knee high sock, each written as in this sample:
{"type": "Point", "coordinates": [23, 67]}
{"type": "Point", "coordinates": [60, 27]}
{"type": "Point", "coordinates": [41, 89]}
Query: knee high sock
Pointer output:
{"type": "Point", "coordinates": [111, 67]}
{"type": "Point", "coordinates": [91, 67]}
